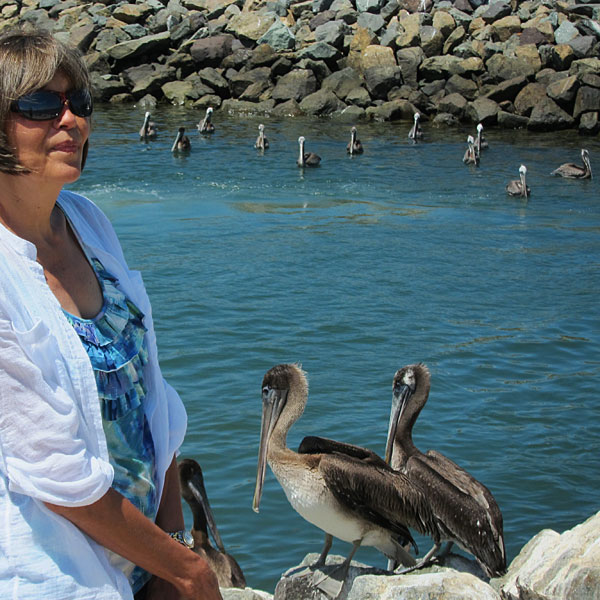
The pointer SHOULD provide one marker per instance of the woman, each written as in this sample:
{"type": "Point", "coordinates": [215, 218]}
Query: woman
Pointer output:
{"type": "Point", "coordinates": [89, 492]}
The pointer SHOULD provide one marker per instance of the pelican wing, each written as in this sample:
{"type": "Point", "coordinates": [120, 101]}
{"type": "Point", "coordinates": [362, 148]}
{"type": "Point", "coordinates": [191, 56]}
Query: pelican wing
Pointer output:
{"type": "Point", "coordinates": [384, 496]}
{"type": "Point", "coordinates": [318, 445]}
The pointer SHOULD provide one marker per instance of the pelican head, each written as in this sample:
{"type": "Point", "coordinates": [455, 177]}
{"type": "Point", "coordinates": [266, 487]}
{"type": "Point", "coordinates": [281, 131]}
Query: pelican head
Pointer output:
{"type": "Point", "coordinates": [284, 394]}
{"type": "Point", "coordinates": [470, 140]}
{"type": "Point", "coordinates": [261, 128]}
{"type": "Point", "coordinates": [479, 128]}
{"type": "Point", "coordinates": [147, 115]}
{"type": "Point", "coordinates": [585, 157]}
{"type": "Point", "coordinates": [417, 116]}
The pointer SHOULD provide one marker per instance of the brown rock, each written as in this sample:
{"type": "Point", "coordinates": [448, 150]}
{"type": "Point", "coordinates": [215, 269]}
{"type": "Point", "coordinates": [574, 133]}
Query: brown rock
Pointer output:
{"type": "Point", "coordinates": [563, 91]}
{"type": "Point", "coordinates": [361, 39]}
{"type": "Point", "coordinates": [562, 55]}
{"type": "Point", "coordinates": [548, 116]}
{"type": "Point", "coordinates": [587, 100]}
{"type": "Point", "coordinates": [528, 97]}
{"type": "Point", "coordinates": [503, 28]}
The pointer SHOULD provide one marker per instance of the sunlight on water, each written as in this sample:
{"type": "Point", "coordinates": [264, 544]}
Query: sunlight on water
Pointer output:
{"type": "Point", "coordinates": [354, 269]}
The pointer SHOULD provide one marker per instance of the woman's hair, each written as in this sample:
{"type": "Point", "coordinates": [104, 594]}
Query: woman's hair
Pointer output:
{"type": "Point", "coordinates": [29, 60]}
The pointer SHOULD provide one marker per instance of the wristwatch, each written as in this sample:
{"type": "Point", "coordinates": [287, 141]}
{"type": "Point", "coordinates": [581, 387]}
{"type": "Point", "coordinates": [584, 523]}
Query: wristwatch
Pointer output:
{"type": "Point", "coordinates": [183, 537]}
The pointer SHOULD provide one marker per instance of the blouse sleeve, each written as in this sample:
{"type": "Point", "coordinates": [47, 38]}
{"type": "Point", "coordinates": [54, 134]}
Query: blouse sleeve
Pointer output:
{"type": "Point", "coordinates": [43, 447]}
{"type": "Point", "coordinates": [177, 419]}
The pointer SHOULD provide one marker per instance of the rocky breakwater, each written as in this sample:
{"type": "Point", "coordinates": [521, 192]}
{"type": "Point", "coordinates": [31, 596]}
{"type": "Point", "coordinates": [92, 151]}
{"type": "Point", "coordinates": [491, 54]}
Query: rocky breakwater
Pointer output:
{"type": "Point", "coordinates": [551, 566]}
{"type": "Point", "coordinates": [532, 64]}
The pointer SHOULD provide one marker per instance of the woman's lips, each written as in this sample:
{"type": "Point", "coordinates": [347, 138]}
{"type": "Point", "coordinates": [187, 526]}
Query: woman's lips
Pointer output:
{"type": "Point", "coordinates": [68, 147]}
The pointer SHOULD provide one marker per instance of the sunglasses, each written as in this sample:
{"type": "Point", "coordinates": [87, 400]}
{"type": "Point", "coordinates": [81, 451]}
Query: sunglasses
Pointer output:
{"type": "Point", "coordinates": [45, 105]}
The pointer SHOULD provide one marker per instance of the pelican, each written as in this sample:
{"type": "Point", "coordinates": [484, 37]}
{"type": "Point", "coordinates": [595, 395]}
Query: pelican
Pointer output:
{"type": "Point", "coordinates": [415, 133]}
{"type": "Point", "coordinates": [226, 568]}
{"type": "Point", "coordinates": [464, 509]}
{"type": "Point", "coordinates": [206, 126]}
{"type": "Point", "coordinates": [262, 143]}
{"type": "Point", "coordinates": [307, 159]}
{"type": "Point", "coordinates": [148, 130]}
{"type": "Point", "coordinates": [480, 141]}
{"type": "Point", "coordinates": [354, 145]}
{"type": "Point", "coordinates": [347, 491]}
{"type": "Point", "coordinates": [182, 142]}
{"type": "Point", "coordinates": [471, 157]}
{"type": "Point", "coordinates": [518, 187]}
{"type": "Point", "coordinates": [573, 171]}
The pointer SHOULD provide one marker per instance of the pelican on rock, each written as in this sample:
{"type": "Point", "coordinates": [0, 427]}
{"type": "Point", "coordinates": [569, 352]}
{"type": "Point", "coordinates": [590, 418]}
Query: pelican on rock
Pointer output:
{"type": "Point", "coordinates": [347, 491]}
{"type": "Point", "coordinates": [573, 171]}
{"type": "Point", "coordinates": [464, 509]}
{"type": "Point", "coordinates": [182, 142]}
{"type": "Point", "coordinates": [262, 143]}
{"type": "Point", "coordinates": [354, 145]}
{"type": "Point", "coordinates": [416, 133]}
{"type": "Point", "coordinates": [206, 125]}
{"type": "Point", "coordinates": [307, 159]}
{"type": "Point", "coordinates": [226, 568]}
{"type": "Point", "coordinates": [518, 187]}
{"type": "Point", "coordinates": [148, 130]}
{"type": "Point", "coordinates": [471, 157]}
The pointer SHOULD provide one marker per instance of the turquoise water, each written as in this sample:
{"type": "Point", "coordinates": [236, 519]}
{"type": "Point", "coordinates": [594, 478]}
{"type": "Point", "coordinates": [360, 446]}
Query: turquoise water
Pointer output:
{"type": "Point", "coordinates": [355, 269]}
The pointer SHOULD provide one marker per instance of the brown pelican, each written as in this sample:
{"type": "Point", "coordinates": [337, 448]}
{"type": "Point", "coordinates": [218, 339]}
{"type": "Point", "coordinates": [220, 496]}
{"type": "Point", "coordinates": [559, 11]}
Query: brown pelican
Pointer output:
{"type": "Point", "coordinates": [347, 491]}
{"type": "Point", "coordinates": [354, 145]}
{"type": "Point", "coordinates": [471, 157]}
{"type": "Point", "coordinates": [307, 159]}
{"type": "Point", "coordinates": [182, 142]}
{"type": "Point", "coordinates": [573, 171]}
{"type": "Point", "coordinates": [206, 126]}
{"type": "Point", "coordinates": [464, 509]}
{"type": "Point", "coordinates": [518, 187]}
{"type": "Point", "coordinates": [148, 130]}
{"type": "Point", "coordinates": [415, 133]}
{"type": "Point", "coordinates": [262, 143]}
{"type": "Point", "coordinates": [480, 141]}
{"type": "Point", "coordinates": [226, 568]}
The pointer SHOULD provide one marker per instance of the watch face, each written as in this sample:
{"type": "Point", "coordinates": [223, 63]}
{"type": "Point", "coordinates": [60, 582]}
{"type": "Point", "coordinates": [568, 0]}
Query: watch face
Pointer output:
{"type": "Point", "coordinates": [188, 539]}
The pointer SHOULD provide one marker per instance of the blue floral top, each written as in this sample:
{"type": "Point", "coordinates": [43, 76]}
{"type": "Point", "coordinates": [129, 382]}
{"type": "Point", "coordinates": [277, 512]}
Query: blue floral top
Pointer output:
{"type": "Point", "coordinates": [114, 341]}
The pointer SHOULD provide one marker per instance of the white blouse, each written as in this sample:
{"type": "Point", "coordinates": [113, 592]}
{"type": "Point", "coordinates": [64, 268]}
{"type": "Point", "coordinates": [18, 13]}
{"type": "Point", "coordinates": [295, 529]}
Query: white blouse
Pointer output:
{"type": "Point", "coordinates": [52, 445]}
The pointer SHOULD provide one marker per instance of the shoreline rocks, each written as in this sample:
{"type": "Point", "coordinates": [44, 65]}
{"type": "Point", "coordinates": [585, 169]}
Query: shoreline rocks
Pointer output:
{"type": "Point", "coordinates": [532, 64]}
{"type": "Point", "coordinates": [551, 566]}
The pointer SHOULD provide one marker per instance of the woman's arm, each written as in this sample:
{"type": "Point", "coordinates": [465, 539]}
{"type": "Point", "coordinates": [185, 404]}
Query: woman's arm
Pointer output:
{"type": "Point", "coordinates": [116, 524]}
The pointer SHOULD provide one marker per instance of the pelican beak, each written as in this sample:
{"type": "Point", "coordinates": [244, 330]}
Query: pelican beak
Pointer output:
{"type": "Point", "coordinates": [174, 147]}
{"type": "Point", "coordinates": [196, 486]}
{"type": "Point", "coordinates": [400, 395]}
{"type": "Point", "coordinates": [273, 402]}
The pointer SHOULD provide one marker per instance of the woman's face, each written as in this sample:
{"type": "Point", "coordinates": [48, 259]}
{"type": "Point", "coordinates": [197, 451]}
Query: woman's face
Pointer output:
{"type": "Point", "coordinates": [51, 150]}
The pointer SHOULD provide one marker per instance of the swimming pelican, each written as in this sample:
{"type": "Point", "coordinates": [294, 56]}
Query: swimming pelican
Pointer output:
{"type": "Point", "coordinates": [573, 171]}
{"type": "Point", "coordinates": [182, 142]}
{"type": "Point", "coordinates": [307, 159]}
{"type": "Point", "coordinates": [226, 568]}
{"type": "Point", "coordinates": [262, 143]}
{"type": "Point", "coordinates": [347, 491]}
{"type": "Point", "coordinates": [518, 187]}
{"type": "Point", "coordinates": [464, 509]}
{"type": "Point", "coordinates": [206, 126]}
{"type": "Point", "coordinates": [471, 157]}
{"type": "Point", "coordinates": [148, 130]}
{"type": "Point", "coordinates": [480, 141]}
{"type": "Point", "coordinates": [415, 133]}
{"type": "Point", "coordinates": [354, 145]}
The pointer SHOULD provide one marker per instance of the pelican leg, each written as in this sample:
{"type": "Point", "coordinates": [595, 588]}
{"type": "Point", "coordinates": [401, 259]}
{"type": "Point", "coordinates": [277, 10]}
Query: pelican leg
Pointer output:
{"type": "Point", "coordinates": [428, 558]}
{"type": "Point", "coordinates": [332, 587]}
{"type": "Point", "coordinates": [326, 548]}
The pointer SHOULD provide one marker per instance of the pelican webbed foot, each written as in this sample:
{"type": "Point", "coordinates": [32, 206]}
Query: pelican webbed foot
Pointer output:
{"type": "Point", "coordinates": [429, 559]}
{"type": "Point", "coordinates": [327, 583]}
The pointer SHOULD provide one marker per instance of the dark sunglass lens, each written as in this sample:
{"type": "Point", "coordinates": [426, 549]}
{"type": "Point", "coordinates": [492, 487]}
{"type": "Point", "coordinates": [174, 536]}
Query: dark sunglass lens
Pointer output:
{"type": "Point", "coordinates": [80, 103]}
{"type": "Point", "coordinates": [39, 106]}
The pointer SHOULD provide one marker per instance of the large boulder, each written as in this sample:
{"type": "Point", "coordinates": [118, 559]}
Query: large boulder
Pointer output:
{"type": "Point", "coordinates": [531, 95]}
{"type": "Point", "coordinates": [482, 110]}
{"type": "Point", "coordinates": [409, 60]}
{"type": "Point", "coordinates": [439, 67]}
{"type": "Point", "coordinates": [507, 90]}
{"type": "Point", "coordinates": [147, 46]}
{"type": "Point", "coordinates": [210, 52]}
{"type": "Point", "coordinates": [250, 26]}
{"type": "Point", "coordinates": [381, 80]}
{"type": "Point", "coordinates": [587, 100]}
{"type": "Point", "coordinates": [279, 37]}
{"type": "Point", "coordinates": [341, 83]}
{"type": "Point", "coordinates": [321, 103]}
{"type": "Point", "coordinates": [548, 116]}
{"type": "Point", "coordinates": [553, 565]}
{"type": "Point", "coordinates": [295, 85]}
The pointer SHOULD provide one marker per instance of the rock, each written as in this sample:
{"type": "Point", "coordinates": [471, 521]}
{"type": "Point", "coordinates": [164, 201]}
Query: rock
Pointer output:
{"type": "Point", "coordinates": [507, 90]}
{"type": "Point", "coordinates": [548, 116]}
{"type": "Point", "coordinates": [321, 103]}
{"type": "Point", "coordinates": [377, 56]}
{"type": "Point", "coordinates": [444, 120]}
{"type": "Point", "coordinates": [562, 56]}
{"type": "Point", "coordinates": [587, 100]}
{"type": "Point", "coordinates": [287, 109]}
{"type": "Point", "coordinates": [295, 85]}
{"type": "Point", "coordinates": [351, 114]}
{"type": "Point", "coordinates": [369, 5]}
{"type": "Point", "coordinates": [214, 80]}
{"type": "Point", "coordinates": [454, 39]}
{"type": "Point", "coordinates": [342, 82]}
{"type": "Point", "coordinates": [496, 11]}
{"type": "Point", "coordinates": [240, 82]}
{"type": "Point", "coordinates": [585, 65]}
{"type": "Point", "coordinates": [565, 33]}
{"type": "Point", "coordinates": [147, 79]}
{"type": "Point", "coordinates": [583, 46]}
{"type": "Point", "coordinates": [235, 107]}
{"type": "Point", "coordinates": [508, 120]}
{"type": "Point", "coordinates": [528, 97]}
{"type": "Point", "coordinates": [331, 33]}
{"type": "Point", "coordinates": [148, 46]}
{"type": "Point", "coordinates": [374, 23]}
{"type": "Point", "coordinates": [501, 68]}
{"type": "Point", "coordinates": [504, 28]}
{"type": "Point", "coordinates": [320, 51]}
{"type": "Point", "coordinates": [106, 86]}
{"type": "Point", "coordinates": [209, 52]}
{"type": "Point", "coordinates": [279, 37]}
{"type": "Point", "coordinates": [453, 104]}
{"type": "Point", "coordinates": [439, 67]}
{"type": "Point", "coordinates": [358, 96]}
{"type": "Point", "coordinates": [482, 110]}
{"type": "Point", "coordinates": [409, 60]}
{"type": "Point", "coordinates": [250, 26]}
{"type": "Point", "coordinates": [180, 93]}
{"type": "Point", "coordinates": [245, 594]}
{"type": "Point", "coordinates": [432, 40]}
{"type": "Point", "coordinates": [459, 85]}
{"type": "Point", "coordinates": [380, 80]}
{"type": "Point", "coordinates": [361, 39]}
{"type": "Point", "coordinates": [563, 91]}
{"type": "Point", "coordinates": [262, 56]}
{"type": "Point", "coordinates": [444, 22]}
{"type": "Point", "coordinates": [131, 13]}
{"type": "Point", "coordinates": [589, 124]}
{"type": "Point", "coordinates": [553, 565]}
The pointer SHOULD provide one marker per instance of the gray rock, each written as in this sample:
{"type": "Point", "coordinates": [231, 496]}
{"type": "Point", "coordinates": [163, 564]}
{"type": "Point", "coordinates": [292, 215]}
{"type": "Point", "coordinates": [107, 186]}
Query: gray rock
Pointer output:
{"type": "Point", "coordinates": [589, 27]}
{"type": "Point", "coordinates": [380, 80]}
{"type": "Point", "coordinates": [373, 22]}
{"type": "Point", "coordinates": [508, 120]}
{"type": "Point", "coordinates": [321, 18]}
{"type": "Point", "coordinates": [214, 80]}
{"type": "Point", "coordinates": [465, 87]}
{"type": "Point", "coordinates": [351, 114]}
{"type": "Point", "coordinates": [321, 103]}
{"type": "Point", "coordinates": [501, 68]}
{"type": "Point", "coordinates": [290, 108]}
{"type": "Point", "coordinates": [295, 85]}
{"type": "Point", "coordinates": [583, 45]}
{"type": "Point", "coordinates": [234, 107]}
{"type": "Point", "coordinates": [262, 56]}
{"type": "Point", "coordinates": [373, 6]}
{"type": "Point", "coordinates": [553, 565]}
{"type": "Point", "coordinates": [565, 33]}
{"type": "Point", "coordinates": [453, 104]}
{"type": "Point", "coordinates": [589, 124]}
{"type": "Point", "coordinates": [318, 67]}
{"type": "Point", "coordinates": [249, 27]}
{"type": "Point", "coordinates": [245, 594]}
{"type": "Point", "coordinates": [432, 40]}
{"type": "Point", "coordinates": [409, 60]}
{"type": "Point", "coordinates": [496, 11]}
{"type": "Point", "coordinates": [454, 39]}
{"type": "Point", "coordinates": [587, 100]}
{"type": "Point", "coordinates": [507, 90]}
{"type": "Point", "coordinates": [528, 97]}
{"type": "Point", "coordinates": [444, 120]}
{"type": "Point", "coordinates": [279, 37]}
{"type": "Point", "coordinates": [482, 110]}
{"type": "Point", "coordinates": [563, 91]}
{"type": "Point", "coordinates": [332, 33]}
{"type": "Point", "coordinates": [104, 87]}
{"type": "Point", "coordinates": [180, 93]}
{"type": "Point", "coordinates": [358, 96]}
{"type": "Point", "coordinates": [439, 67]}
{"type": "Point", "coordinates": [147, 78]}
{"type": "Point", "coordinates": [548, 116]}
{"type": "Point", "coordinates": [341, 83]}
{"type": "Point", "coordinates": [394, 110]}
{"type": "Point", "coordinates": [243, 80]}
{"type": "Point", "coordinates": [585, 65]}
{"type": "Point", "coordinates": [81, 36]}
{"type": "Point", "coordinates": [320, 51]}
{"type": "Point", "coordinates": [210, 52]}
{"type": "Point", "coordinates": [461, 17]}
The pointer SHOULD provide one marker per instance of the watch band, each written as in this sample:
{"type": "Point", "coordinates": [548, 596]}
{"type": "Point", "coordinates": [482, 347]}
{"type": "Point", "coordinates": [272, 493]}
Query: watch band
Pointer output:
{"type": "Point", "coordinates": [183, 537]}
